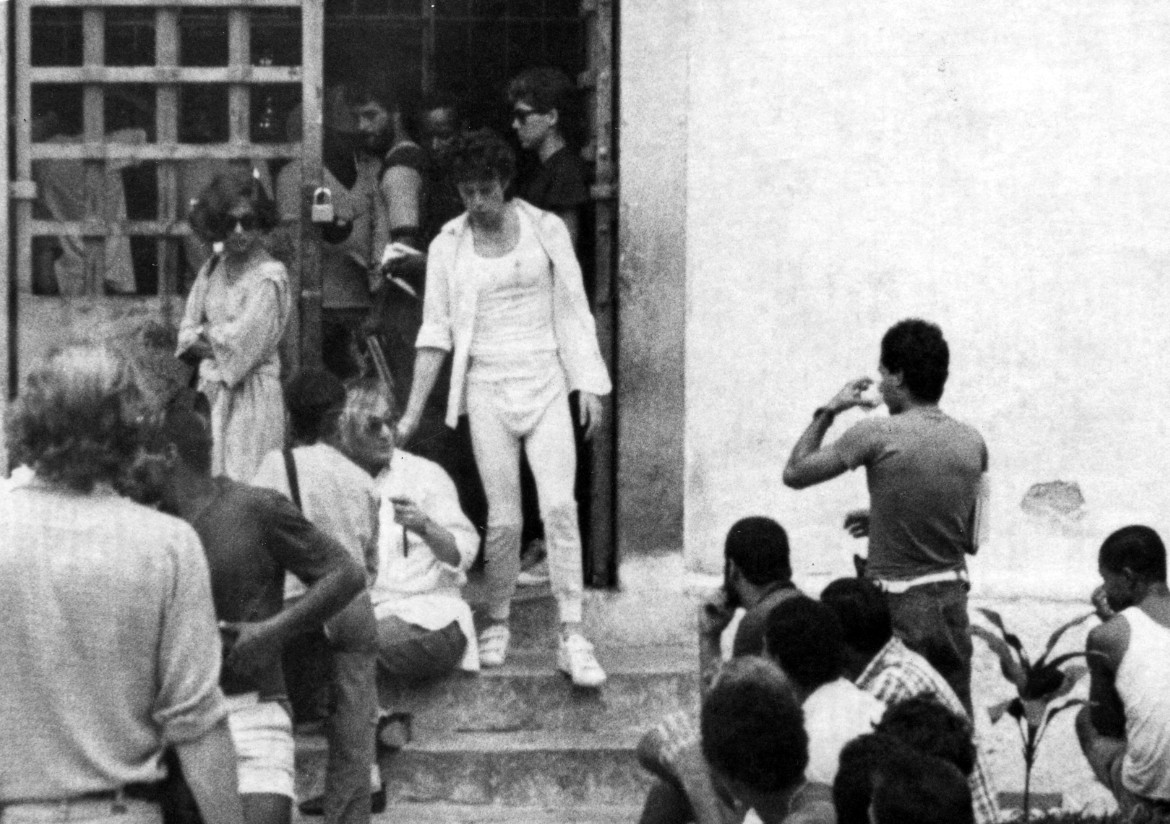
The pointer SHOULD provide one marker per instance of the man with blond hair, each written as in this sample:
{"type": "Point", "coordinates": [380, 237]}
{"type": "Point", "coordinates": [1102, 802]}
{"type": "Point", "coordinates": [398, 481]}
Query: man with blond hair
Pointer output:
{"type": "Point", "coordinates": [108, 632]}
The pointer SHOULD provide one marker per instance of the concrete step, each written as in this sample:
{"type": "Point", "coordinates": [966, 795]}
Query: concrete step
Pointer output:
{"type": "Point", "coordinates": [514, 769]}
{"type": "Point", "coordinates": [530, 694]}
{"type": "Point", "coordinates": [495, 814]}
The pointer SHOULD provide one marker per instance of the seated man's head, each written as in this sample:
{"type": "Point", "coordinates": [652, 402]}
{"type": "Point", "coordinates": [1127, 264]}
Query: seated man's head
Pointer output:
{"type": "Point", "coordinates": [914, 363]}
{"type": "Point", "coordinates": [803, 637]}
{"type": "Point", "coordinates": [315, 399]}
{"type": "Point", "coordinates": [865, 620]}
{"type": "Point", "coordinates": [176, 448]}
{"type": "Point", "coordinates": [922, 722]}
{"type": "Point", "coordinates": [853, 784]}
{"type": "Point", "coordinates": [756, 553]}
{"type": "Point", "coordinates": [79, 418]}
{"type": "Point", "coordinates": [910, 787]}
{"type": "Point", "coordinates": [366, 427]}
{"type": "Point", "coordinates": [752, 732]}
{"type": "Point", "coordinates": [1131, 561]}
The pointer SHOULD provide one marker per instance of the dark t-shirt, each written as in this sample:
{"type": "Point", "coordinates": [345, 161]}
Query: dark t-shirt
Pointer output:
{"type": "Point", "coordinates": [558, 184]}
{"type": "Point", "coordinates": [252, 537]}
{"type": "Point", "coordinates": [923, 469]}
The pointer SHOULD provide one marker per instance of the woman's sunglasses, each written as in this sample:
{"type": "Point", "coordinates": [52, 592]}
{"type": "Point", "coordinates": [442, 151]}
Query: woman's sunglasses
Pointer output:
{"type": "Point", "coordinates": [226, 224]}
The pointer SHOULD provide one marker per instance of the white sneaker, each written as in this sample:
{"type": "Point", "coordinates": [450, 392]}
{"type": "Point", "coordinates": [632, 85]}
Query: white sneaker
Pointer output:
{"type": "Point", "coordinates": [493, 645]}
{"type": "Point", "coordinates": [575, 658]}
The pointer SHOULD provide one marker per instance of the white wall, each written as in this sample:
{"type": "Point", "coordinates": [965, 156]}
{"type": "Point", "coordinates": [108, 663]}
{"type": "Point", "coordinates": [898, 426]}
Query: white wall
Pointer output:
{"type": "Point", "coordinates": [651, 275]}
{"type": "Point", "coordinates": [1000, 168]}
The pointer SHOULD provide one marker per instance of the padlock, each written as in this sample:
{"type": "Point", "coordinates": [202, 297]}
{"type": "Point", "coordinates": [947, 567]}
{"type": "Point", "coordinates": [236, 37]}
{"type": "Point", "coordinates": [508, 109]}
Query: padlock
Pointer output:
{"type": "Point", "coordinates": [322, 211]}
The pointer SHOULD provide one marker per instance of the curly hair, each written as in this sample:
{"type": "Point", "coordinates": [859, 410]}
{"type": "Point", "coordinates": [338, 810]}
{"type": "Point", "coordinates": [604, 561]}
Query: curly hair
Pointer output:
{"type": "Point", "coordinates": [923, 723]}
{"type": "Point", "coordinates": [1138, 548]}
{"type": "Point", "coordinates": [80, 418]}
{"type": "Point", "coordinates": [918, 350]}
{"type": "Point", "coordinates": [863, 612]}
{"type": "Point", "coordinates": [752, 727]}
{"type": "Point", "coordinates": [804, 637]}
{"type": "Point", "coordinates": [315, 399]}
{"type": "Point", "coordinates": [482, 155]}
{"type": "Point", "coordinates": [209, 216]}
{"type": "Point", "coordinates": [759, 547]}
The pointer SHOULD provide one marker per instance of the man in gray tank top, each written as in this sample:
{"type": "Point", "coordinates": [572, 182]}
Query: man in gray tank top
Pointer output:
{"type": "Point", "coordinates": [926, 474]}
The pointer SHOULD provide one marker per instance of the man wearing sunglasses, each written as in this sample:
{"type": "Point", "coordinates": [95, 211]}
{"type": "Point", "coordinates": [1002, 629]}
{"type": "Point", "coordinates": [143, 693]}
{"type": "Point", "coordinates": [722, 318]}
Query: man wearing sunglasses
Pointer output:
{"type": "Point", "coordinates": [542, 116]}
{"type": "Point", "coordinates": [545, 121]}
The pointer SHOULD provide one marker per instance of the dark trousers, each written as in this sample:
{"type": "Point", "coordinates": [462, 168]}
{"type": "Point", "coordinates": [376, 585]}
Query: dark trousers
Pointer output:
{"type": "Point", "coordinates": [932, 620]}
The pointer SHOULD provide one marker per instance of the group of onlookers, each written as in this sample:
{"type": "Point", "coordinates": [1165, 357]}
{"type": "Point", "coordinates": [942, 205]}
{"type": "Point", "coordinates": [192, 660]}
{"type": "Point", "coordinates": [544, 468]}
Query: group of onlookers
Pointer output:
{"type": "Point", "coordinates": [317, 555]}
{"type": "Point", "coordinates": [858, 707]}
{"type": "Point", "coordinates": [310, 546]}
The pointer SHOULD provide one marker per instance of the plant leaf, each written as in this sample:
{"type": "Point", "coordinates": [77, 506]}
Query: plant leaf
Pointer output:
{"type": "Point", "coordinates": [1016, 708]}
{"type": "Point", "coordinates": [1042, 682]}
{"type": "Point", "coordinates": [1071, 676]}
{"type": "Point", "coordinates": [995, 618]}
{"type": "Point", "coordinates": [1060, 631]}
{"type": "Point", "coordinates": [997, 711]}
{"type": "Point", "coordinates": [1008, 664]}
{"type": "Point", "coordinates": [1072, 702]}
{"type": "Point", "coordinates": [1068, 656]}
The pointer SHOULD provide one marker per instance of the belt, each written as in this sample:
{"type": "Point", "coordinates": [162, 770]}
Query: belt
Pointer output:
{"type": "Point", "coordinates": [899, 587]}
{"type": "Point", "coordinates": [138, 791]}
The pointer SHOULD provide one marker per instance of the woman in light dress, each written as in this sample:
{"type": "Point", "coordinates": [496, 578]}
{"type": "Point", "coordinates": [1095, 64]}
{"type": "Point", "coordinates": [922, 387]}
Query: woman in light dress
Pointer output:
{"type": "Point", "coordinates": [235, 317]}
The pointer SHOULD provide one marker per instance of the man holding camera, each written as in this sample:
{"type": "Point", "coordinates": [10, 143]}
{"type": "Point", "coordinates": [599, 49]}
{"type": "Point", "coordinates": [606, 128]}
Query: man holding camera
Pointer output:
{"type": "Point", "coordinates": [926, 473]}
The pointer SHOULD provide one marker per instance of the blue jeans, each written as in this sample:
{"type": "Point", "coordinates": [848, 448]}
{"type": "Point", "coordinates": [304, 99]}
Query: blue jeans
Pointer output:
{"type": "Point", "coordinates": [932, 620]}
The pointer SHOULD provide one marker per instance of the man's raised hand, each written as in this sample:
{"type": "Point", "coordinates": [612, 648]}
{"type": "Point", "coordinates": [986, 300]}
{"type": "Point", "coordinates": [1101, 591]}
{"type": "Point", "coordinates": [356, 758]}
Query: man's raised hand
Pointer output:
{"type": "Point", "coordinates": [853, 394]}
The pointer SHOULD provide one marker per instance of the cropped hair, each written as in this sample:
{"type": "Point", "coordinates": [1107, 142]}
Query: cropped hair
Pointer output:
{"type": "Point", "coordinates": [804, 637]}
{"type": "Point", "coordinates": [923, 723]}
{"type": "Point", "coordinates": [315, 399]}
{"type": "Point", "coordinates": [1137, 548]}
{"type": "Point", "coordinates": [545, 88]}
{"type": "Point", "coordinates": [186, 425]}
{"type": "Point", "coordinates": [917, 349]}
{"type": "Point", "coordinates": [752, 727]}
{"type": "Point", "coordinates": [439, 99]}
{"type": "Point", "coordinates": [863, 612]}
{"type": "Point", "coordinates": [377, 88]}
{"type": "Point", "coordinates": [759, 548]}
{"type": "Point", "coordinates": [911, 787]}
{"type": "Point", "coordinates": [853, 784]}
{"type": "Point", "coordinates": [209, 216]}
{"type": "Point", "coordinates": [482, 155]}
{"type": "Point", "coordinates": [79, 420]}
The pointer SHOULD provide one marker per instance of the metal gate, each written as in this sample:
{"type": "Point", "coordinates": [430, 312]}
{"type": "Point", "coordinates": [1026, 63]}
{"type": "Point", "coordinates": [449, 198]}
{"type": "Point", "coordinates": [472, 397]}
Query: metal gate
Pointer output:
{"type": "Point", "coordinates": [160, 60]}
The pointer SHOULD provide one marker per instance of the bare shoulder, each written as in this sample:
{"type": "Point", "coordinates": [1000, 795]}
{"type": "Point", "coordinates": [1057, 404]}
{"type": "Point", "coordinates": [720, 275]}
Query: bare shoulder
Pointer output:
{"type": "Point", "coordinates": [1110, 638]}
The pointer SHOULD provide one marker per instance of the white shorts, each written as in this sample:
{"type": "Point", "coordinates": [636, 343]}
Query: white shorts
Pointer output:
{"type": "Point", "coordinates": [262, 732]}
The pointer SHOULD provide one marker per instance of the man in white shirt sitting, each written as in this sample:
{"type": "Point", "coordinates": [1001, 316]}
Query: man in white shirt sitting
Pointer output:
{"type": "Point", "coordinates": [425, 546]}
{"type": "Point", "coordinates": [805, 638]}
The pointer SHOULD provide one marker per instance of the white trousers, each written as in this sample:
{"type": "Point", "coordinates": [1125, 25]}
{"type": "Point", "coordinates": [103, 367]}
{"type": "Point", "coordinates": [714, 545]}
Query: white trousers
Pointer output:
{"type": "Point", "coordinates": [510, 411]}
